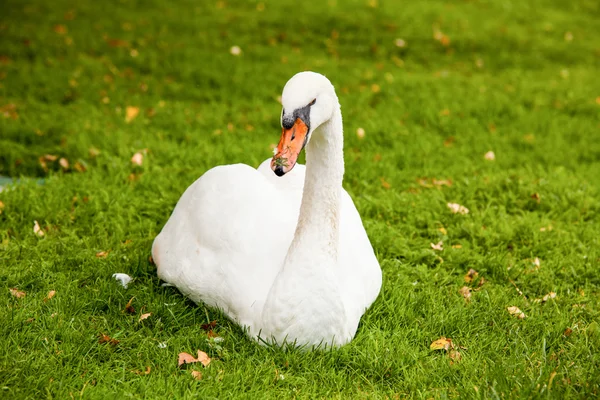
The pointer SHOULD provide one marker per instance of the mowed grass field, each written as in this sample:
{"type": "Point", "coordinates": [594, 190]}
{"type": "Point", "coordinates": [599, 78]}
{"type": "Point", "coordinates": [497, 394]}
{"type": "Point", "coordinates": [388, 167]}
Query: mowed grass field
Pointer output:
{"type": "Point", "coordinates": [434, 86]}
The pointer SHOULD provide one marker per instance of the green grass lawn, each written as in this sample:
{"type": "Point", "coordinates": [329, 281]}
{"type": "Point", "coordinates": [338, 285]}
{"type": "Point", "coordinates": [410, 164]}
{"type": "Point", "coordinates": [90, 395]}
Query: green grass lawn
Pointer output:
{"type": "Point", "coordinates": [467, 77]}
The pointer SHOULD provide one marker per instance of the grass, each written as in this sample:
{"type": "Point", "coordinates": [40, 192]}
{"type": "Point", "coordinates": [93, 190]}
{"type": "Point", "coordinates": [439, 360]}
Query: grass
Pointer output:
{"type": "Point", "coordinates": [516, 78]}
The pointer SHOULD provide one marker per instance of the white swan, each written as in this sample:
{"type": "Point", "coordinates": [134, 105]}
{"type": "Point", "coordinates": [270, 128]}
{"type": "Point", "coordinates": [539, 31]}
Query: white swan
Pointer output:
{"type": "Point", "coordinates": [285, 256]}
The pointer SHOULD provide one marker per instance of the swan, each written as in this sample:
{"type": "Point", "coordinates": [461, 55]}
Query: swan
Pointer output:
{"type": "Point", "coordinates": [281, 249]}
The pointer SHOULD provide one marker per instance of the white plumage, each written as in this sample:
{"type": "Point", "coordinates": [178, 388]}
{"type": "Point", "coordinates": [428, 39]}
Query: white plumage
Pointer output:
{"type": "Point", "coordinates": [287, 256]}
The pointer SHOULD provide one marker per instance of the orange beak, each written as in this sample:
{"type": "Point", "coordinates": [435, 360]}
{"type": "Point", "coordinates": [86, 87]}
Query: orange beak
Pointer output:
{"type": "Point", "coordinates": [290, 145]}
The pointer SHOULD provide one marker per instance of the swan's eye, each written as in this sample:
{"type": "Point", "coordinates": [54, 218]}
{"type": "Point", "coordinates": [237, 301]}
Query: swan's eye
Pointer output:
{"type": "Point", "coordinates": [312, 103]}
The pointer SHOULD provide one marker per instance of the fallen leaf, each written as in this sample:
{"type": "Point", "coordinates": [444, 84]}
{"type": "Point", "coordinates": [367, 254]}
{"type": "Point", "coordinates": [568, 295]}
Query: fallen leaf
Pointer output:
{"type": "Point", "coordinates": [50, 295]}
{"type": "Point", "coordinates": [568, 332]}
{"type": "Point", "coordinates": [457, 208]}
{"type": "Point", "coordinates": [107, 339]}
{"type": "Point", "coordinates": [185, 358]}
{"type": "Point", "coordinates": [442, 182]}
{"type": "Point", "coordinates": [123, 279]}
{"type": "Point", "coordinates": [235, 50]}
{"type": "Point", "coordinates": [465, 292]}
{"type": "Point", "coordinates": [102, 254]}
{"type": "Point", "coordinates": [144, 316]}
{"type": "Point", "coordinates": [37, 230]}
{"type": "Point", "coordinates": [80, 166]}
{"type": "Point", "coordinates": [64, 163]}
{"type": "Point", "coordinates": [17, 293]}
{"type": "Point", "coordinates": [400, 43]}
{"type": "Point", "coordinates": [455, 356]}
{"type": "Point", "coordinates": [471, 274]}
{"type": "Point", "coordinates": [196, 374]}
{"type": "Point", "coordinates": [137, 159]}
{"type": "Point", "coordinates": [490, 156]}
{"type": "Point", "coordinates": [1, 207]}
{"type": "Point", "coordinates": [536, 262]}
{"type": "Point", "coordinates": [210, 326]}
{"type": "Point", "coordinates": [131, 113]}
{"type": "Point", "coordinates": [60, 29]}
{"type": "Point", "coordinates": [385, 184]}
{"type": "Point", "coordinates": [515, 311]}
{"type": "Point", "coordinates": [481, 282]}
{"type": "Point", "coordinates": [443, 230]}
{"type": "Point", "coordinates": [549, 296]}
{"type": "Point", "coordinates": [536, 197]}
{"type": "Point", "coordinates": [93, 152]}
{"type": "Point", "coordinates": [360, 132]}
{"type": "Point", "coordinates": [129, 308]}
{"type": "Point", "coordinates": [442, 344]}
{"type": "Point", "coordinates": [146, 372]}
{"type": "Point", "coordinates": [457, 246]}
{"type": "Point", "coordinates": [437, 246]}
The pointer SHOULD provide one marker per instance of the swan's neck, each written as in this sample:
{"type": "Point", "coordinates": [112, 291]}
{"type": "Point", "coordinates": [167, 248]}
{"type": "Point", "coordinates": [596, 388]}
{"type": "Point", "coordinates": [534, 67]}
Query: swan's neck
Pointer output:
{"type": "Point", "coordinates": [317, 233]}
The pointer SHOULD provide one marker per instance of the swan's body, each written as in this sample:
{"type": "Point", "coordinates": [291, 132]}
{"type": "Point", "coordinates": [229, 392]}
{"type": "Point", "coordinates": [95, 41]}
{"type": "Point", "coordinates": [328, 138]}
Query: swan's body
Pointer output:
{"type": "Point", "coordinates": [286, 257]}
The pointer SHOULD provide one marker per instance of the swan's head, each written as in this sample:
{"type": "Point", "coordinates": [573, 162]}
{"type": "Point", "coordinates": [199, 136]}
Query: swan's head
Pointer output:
{"type": "Point", "coordinates": [308, 101]}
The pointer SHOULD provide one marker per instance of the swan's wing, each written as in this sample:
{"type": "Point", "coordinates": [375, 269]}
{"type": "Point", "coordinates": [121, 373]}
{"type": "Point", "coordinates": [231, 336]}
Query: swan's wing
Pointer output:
{"type": "Point", "coordinates": [226, 240]}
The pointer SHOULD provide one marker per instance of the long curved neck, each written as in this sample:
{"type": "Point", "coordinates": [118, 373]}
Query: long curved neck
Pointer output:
{"type": "Point", "coordinates": [317, 232]}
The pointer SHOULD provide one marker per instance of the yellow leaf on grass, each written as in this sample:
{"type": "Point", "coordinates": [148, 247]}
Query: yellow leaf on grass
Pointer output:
{"type": "Point", "coordinates": [144, 316]}
{"type": "Point", "coordinates": [516, 312]}
{"type": "Point", "coordinates": [360, 132]}
{"type": "Point", "coordinates": [197, 375]}
{"type": "Point", "coordinates": [442, 343]}
{"type": "Point", "coordinates": [64, 163]}
{"type": "Point", "coordinates": [185, 358]}
{"type": "Point", "coordinates": [472, 274]}
{"type": "Point", "coordinates": [50, 295]}
{"type": "Point", "coordinates": [37, 230]}
{"type": "Point", "coordinates": [1, 207]}
{"type": "Point", "coordinates": [465, 292]}
{"type": "Point", "coordinates": [17, 293]}
{"type": "Point", "coordinates": [457, 246]}
{"type": "Point", "coordinates": [131, 113]}
{"type": "Point", "coordinates": [102, 254]}
{"type": "Point", "coordinates": [443, 230]}
{"type": "Point", "coordinates": [437, 246]}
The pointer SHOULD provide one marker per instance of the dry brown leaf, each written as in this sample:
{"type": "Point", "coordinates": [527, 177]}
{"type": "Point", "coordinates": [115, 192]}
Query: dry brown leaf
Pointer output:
{"type": "Point", "coordinates": [102, 254]}
{"type": "Point", "coordinates": [131, 113]}
{"type": "Point", "coordinates": [79, 166]}
{"type": "Point", "coordinates": [210, 326]}
{"type": "Point", "coordinates": [196, 374]}
{"type": "Point", "coordinates": [144, 316]}
{"type": "Point", "coordinates": [437, 246]}
{"type": "Point", "coordinates": [442, 343]}
{"type": "Point", "coordinates": [457, 208]}
{"type": "Point", "coordinates": [490, 156]}
{"type": "Point", "coordinates": [455, 356]}
{"type": "Point", "coordinates": [37, 230]}
{"type": "Point", "coordinates": [50, 295]}
{"type": "Point", "coordinates": [568, 332]}
{"type": "Point", "coordinates": [146, 372]}
{"type": "Point", "coordinates": [107, 339]}
{"type": "Point", "coordinates": [442, 182]}
{"type": "Point", "coordinates": [536, 197]}
{"type": "Point", "coordinates": [549, 296]}
{"type": "Point", "coordinates": [385, 184]}
{"type": "Point", "coordinates": [465, 292]}
{"type": "Point", "coordinates": [472, 274]}
{"type": "Point", "coordinates": [516, 312]}
{"type": "Point", "coordinates": [94, 152]}
{"type": "Point", "coordinates": [64, 163]}
{"type": "Point", "coordinates": [137, 159]}
{"type": "Point", "coordinates": [481, 282]}
{"type": "Point", "coordinates": [185, 358]}
{"type": "Point", "coordinates": [129, 308]}
{"type": "Point", "coordinates": [17, 293]}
